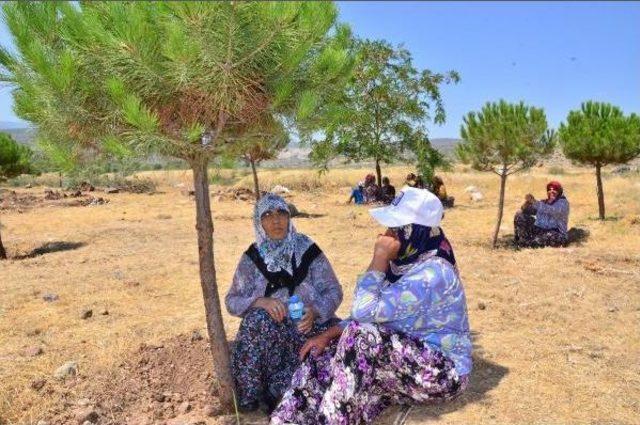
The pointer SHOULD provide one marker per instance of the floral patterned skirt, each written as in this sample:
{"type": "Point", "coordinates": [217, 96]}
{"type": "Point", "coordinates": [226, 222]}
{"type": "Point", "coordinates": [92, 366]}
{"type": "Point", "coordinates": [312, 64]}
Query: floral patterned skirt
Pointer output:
{"type": "Point", "coordinates": [527, 234]}
{"type": "Point", "coordinates": [265, 356]}
{"type": "Point", "coordinates": [367, 370]}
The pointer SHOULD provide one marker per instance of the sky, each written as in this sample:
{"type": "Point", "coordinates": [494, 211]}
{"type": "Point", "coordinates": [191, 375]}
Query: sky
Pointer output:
{"type": "Point", "coordinates": [553, 55]}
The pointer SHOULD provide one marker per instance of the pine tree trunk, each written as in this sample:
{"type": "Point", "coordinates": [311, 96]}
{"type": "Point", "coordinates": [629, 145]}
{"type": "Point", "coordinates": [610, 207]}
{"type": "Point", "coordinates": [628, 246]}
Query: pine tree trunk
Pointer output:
{"type": "Point", "coordinates": [60, 177]}
{"type": "Point", "coordinates": [600, 191]}
{"type": "Point", "coordinates": [3, 252]}
{"type": "Point", "coordinates": [378, 173]}
{"type": "Point", "coordinates": [217, 337]}
{"type": "Point", "coordinates": [503, 182]}
{"type": "Point", "coordinates": [256, 186]}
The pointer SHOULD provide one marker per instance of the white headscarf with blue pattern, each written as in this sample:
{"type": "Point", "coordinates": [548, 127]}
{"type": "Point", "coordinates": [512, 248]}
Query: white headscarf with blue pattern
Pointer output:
{"type": "Point", "coordinates": [277, 253]}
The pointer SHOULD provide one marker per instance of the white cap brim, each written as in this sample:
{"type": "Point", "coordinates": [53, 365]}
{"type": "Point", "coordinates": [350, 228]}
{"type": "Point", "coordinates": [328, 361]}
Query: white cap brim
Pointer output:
{"type": "Point", "coordinates": [388, 217]}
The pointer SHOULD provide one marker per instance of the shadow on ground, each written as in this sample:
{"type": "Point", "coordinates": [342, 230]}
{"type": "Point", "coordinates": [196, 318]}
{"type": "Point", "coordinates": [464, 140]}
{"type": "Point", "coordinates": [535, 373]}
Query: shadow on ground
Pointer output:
{"type": "Point", "coordinates": [577, 236]}
{"type": "Point", "coordinates": [308, 215]}
{"type": "Point", "coordinates": [50, 247]}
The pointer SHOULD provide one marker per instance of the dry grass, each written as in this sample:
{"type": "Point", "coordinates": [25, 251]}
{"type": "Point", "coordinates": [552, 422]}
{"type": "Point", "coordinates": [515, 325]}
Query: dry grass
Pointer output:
{"type": "Point", "coordinates": [558, 341]}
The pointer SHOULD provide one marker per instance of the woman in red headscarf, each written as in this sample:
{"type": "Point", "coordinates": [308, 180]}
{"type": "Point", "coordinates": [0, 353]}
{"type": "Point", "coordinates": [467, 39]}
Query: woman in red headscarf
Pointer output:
{"type": "Point", "coordinates": [543, 223]}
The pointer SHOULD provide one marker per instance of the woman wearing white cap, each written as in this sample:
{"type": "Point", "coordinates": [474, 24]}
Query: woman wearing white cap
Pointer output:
{"type": "Point", "coordinates": [407, 340]}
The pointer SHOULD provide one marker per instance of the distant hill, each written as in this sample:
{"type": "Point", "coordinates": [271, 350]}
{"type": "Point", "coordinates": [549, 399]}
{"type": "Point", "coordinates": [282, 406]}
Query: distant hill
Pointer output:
{"type": "Point", "coordinates": [445, 145]}
{"type": "Point", "coordinates": [19, 132]}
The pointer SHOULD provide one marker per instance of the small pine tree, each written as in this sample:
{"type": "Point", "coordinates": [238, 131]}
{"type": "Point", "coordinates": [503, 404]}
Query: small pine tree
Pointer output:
{"type": "Point", "coordinates": [504, 138]}
{"type": "Point", "coordinates": [599, 134]}
{"type": "Point", "coordinates": [14, 160]}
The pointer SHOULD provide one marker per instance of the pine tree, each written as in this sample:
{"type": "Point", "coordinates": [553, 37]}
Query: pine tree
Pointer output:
{"type": "Point", "coordinates": [600, 134]}
{"type": "Point", "coordinates": [180, 79]}
{"type": "Point", "coordinates": [504, 138]}
{"type": "Point", "coordinates": [14, 160]}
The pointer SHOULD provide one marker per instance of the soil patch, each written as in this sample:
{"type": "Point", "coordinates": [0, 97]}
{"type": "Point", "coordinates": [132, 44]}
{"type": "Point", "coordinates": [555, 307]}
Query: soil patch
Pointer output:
{"type": "Point", "coordinates": [170, 384]}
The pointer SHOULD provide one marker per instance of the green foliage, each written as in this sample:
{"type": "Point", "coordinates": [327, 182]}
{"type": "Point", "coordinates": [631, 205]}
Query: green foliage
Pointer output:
{"type": "Point", "coordinates": [15, 159]}
{"type": "Point", "coordinates": [505, 138]}
{"type": "Point", "coordinates": [599, 133]}
{"type": "Point", "coordinates": [132, 78]}
{"type": "Point", "coordinates": [429, 159]}
{"type": "Point", "coordinates": [383, 110]}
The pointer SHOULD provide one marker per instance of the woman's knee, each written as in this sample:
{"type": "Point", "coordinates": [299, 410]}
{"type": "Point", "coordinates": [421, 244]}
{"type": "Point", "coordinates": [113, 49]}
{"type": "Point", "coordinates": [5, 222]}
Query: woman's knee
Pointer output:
{"type": "Point", "coordinates": [257, 318]}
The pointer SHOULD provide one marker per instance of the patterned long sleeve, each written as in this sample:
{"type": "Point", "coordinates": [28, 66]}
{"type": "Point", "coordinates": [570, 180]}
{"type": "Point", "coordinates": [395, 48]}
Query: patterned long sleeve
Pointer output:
{"type": "Point", "coordinates": [375, 302]}
{"type": "Point", "coordinates": [326, 283]}
{"type": "Point", "coordinates": [554, 216]}
{"type": "Point", "coordinates": [243, 291]}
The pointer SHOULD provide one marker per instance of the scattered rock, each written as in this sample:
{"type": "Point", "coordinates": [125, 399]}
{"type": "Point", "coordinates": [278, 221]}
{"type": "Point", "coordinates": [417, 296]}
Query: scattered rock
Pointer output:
{"type": "Point", "coordinates": [158, 397]}
{"type": "Point", "coordinates": [189, 192]}
{"type": "Point", "coordinates": [613, 309]}
{"type": "Point", "coordinates": [28, 186]}
{"type": "Point", "coordinates": [184, 408]}
{"type": "Point", "coordinates": [476, 196]}
{"type": "Point", "coordinates": [87, 414]}
{"type": "Point", "coordinates": [50, 297]}
{"type": "Point", "coordinates": [87, 313]}
{"type": "Point", "coordinates": [352, 215]}
{"type": "Point", "coordinates": [34, 351]}
{"type": "Point", "coordinates": [471, 189]}
{"type": "Point", "coordinates": [42, 422]}
{"type": "Point", "coordinates": [76, 194]}
{"type": "Point", "coordinates": [622, 169]}
{"type": "Point", "coordinates": [196, 336]}
{"type": "Point", "coordinates": [279, 189]}
{"type": "Point", "coordinates": [52, 195]}
{"type": "Point", "coordinates": [67, 369]}
{"type": "Point", "coordinates": [104, 312]}
{"type": "Point", "coordinates": [118, 274]}
{"type": "Point", "coordinates": [83, 402]}
{"type": "Point", "coordinates": [163, 217]}
{"type": "Point", "coordinates": [132, 283]}
{"type": "Point", "coordinates": [111, 190]}
{"type": "Point", "coordinates": [482, 306]}
{"type": "Point", "coordinates": [86, 187]}
{"type": "Point", "coordinates": [37, 384]}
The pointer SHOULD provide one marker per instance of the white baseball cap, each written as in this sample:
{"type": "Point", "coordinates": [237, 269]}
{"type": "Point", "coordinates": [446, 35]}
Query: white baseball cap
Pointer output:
{"type": "Point", "coordinates": [411, 206]}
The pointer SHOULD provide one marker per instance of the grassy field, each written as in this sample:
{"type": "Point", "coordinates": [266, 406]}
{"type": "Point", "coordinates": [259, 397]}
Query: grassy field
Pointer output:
{"type": "Point", "coordinates": [556, 331]}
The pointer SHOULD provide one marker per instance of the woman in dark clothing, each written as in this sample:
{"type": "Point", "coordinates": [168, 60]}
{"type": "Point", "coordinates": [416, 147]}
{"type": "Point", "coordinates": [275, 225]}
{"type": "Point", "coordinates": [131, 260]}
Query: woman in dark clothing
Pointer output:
{"type": "Point", "coordinates": [281, 263]}
{"type": "Point", "coordinates": [387, 192]}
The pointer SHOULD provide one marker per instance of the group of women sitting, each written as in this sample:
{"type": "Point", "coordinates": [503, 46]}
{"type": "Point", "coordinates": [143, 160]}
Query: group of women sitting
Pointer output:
{"type": "Point", "coordinates": [407, 339]}
{"type": "Point", "coordinates": [368, 191]}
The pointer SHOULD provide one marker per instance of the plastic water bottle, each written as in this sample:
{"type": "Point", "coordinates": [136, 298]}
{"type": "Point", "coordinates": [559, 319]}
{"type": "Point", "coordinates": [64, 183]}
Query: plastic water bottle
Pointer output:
{"type": "Point", "coordinates": [296, 308]}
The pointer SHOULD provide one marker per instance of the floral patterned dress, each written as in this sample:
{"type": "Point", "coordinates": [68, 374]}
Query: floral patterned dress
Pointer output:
{"type": "Point", "coordinates": [265, 353]}
{"type": "Point", "coordinates": [407, 342]}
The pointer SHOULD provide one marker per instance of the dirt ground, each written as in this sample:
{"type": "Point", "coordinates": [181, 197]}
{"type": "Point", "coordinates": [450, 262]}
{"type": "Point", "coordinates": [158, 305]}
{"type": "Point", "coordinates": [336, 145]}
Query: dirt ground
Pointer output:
{"type": "Point", "coordinates": [556, 331]}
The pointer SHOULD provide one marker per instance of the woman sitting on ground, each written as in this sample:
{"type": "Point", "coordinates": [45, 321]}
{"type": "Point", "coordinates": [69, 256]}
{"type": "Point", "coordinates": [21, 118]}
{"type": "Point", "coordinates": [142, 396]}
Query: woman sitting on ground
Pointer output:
{"type": "Point", "coordinates": [440, 191]}
{"type": "Point", "coordinates": [281, 263]}
{"type": "Point", "coordinates": [407, 341]}
{"type": "Point", "coordinates": [387, 192]}
{"type": "Point", "coordinates": [543, 223]}
{"type": "Point", "coordinates": [357, 194]}
{"type": "Point", "coordinates": [371, 190]}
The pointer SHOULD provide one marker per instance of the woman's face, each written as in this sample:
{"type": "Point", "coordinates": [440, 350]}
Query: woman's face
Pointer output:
{"type": "Point", "coordinates": [552, 193]}
{"type": "Point", "coordinates": [275, 224]}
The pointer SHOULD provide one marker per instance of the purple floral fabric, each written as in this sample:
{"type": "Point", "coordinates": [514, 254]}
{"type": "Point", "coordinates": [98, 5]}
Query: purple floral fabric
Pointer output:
{"type": "Point", "coordinates": [367, 370]}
